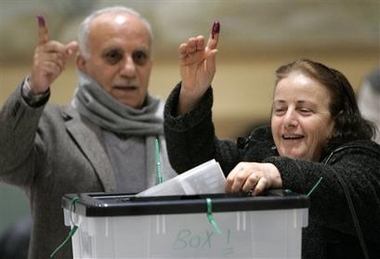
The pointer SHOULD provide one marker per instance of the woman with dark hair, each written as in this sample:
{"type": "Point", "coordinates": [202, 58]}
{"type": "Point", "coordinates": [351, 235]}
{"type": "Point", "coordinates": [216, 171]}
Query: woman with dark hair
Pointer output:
{"type": "Point", "coordinates": [349, 124]}
{"type": "Point", "coordinates": [316, 139]}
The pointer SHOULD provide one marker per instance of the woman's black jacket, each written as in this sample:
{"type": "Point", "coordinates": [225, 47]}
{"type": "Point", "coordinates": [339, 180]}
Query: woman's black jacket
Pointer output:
{"type": "Point", "coordinates": [353, 166]}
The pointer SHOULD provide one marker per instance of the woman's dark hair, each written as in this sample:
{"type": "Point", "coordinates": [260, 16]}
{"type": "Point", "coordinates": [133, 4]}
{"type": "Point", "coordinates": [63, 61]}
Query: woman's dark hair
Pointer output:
{"type": "Point", "coordinates": [349, 123]}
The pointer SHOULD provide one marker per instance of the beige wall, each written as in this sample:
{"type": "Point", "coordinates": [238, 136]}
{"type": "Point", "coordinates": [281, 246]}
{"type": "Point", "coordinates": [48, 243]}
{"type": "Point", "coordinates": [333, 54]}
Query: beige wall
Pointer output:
{"type": "Point", "coordinates": [256, 37]}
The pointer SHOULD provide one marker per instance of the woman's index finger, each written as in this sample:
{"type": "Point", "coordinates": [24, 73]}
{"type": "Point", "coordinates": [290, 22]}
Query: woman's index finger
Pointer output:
{"type": "Point", "coordinates": [215, 30]}
{"type": "Point", "coordinates": [43, 35]}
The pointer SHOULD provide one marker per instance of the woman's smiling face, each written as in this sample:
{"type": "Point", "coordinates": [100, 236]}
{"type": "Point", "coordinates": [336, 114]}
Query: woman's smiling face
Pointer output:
{"type": "Point", "coordinates": [301, 122]}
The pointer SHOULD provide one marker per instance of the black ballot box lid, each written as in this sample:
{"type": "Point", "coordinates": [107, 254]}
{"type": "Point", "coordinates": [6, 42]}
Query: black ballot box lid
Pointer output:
{"type": "Point", "coordinates": [123, 204]}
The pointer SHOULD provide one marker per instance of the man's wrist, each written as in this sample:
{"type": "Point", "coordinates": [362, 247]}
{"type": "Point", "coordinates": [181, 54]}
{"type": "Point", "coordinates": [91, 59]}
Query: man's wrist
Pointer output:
{"type": "Point", "coordinates": [32, 98]}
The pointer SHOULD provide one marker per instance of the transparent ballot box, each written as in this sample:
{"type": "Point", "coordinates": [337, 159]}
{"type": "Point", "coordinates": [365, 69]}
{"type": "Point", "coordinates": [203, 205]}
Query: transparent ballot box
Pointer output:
{"type": "Point", "coordinates": [190, 226]}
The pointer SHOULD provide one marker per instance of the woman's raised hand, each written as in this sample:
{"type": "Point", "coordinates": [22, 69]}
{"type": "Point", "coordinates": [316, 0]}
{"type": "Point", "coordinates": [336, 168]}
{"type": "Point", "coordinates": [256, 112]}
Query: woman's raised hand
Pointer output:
{"type": "Point", "coordinates": [197, 68]}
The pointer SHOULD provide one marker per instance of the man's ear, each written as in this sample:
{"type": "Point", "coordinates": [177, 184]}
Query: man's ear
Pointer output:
{"type": "Point", "coordinates": [80, 61]}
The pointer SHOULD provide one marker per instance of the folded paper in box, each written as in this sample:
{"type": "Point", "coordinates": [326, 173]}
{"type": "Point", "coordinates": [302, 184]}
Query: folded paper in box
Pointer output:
{"type": "Point", "coordinates": [205, 178]}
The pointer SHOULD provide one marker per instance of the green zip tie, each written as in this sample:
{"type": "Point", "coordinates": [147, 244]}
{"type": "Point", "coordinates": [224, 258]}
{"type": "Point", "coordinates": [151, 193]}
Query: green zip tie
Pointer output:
{"type": "Point", "coordinates": [158, 161]}
{"type": "Point", "coordinates": [315, 186]}
{"type": "Point", "coordinates": [211, 218]}
{"type": "Point", "coordinates": [72, 230]}
{"type": "Point", "coordinates": [71, 233]}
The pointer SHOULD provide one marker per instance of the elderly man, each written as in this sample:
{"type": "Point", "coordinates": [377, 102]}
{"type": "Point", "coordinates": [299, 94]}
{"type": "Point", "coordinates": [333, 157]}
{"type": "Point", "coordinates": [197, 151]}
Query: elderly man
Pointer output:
{"type": "Point", "coordinates": [108, 139]}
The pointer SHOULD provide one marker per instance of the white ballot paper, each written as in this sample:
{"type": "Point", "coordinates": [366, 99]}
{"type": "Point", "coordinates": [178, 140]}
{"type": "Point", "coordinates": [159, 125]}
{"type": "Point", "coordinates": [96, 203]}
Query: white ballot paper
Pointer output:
{"type": "Point", "coordinates": [203, 179]}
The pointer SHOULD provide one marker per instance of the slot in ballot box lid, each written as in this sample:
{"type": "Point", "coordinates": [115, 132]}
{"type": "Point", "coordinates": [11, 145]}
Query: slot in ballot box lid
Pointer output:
{"type": "Point", "coordinates": [122, 204]}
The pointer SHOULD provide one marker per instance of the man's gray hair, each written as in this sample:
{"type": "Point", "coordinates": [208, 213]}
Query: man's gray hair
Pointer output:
{"type": "Point", "coordinates": [83, 30]}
